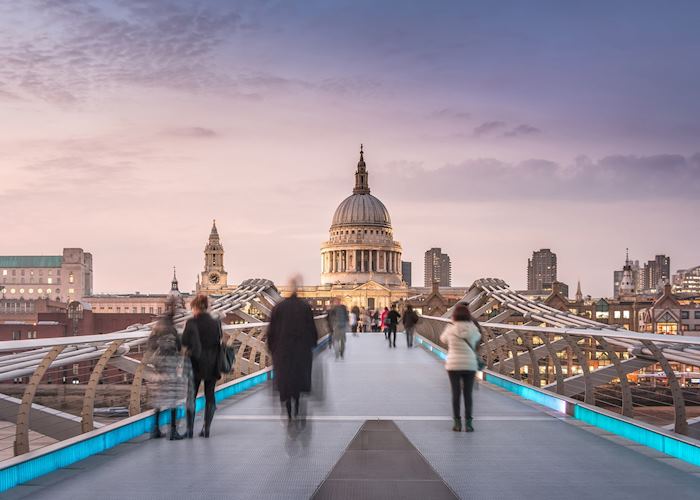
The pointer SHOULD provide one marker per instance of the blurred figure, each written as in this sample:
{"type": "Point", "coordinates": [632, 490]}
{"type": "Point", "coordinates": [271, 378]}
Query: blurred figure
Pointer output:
{"type": "Point", "coordinates": [202, 341]}
{"type": "Point", "coordinates": [410, 318]}
{"type": "Point", "coordinates": [384, 325]}
{"type": "Point", "coordinates": [354, 318]}
{"type": "Point", "coordinates": [462, 338]}
{"type": "Point", "coordinates": [375, 321]}
{"type": "Point", "coordinates": [163, 360]}
{"type": "Point", "coordinates": [366, 320]}
{"type": "Point", "coordinates": [393, 319]}
{"type": "Point", "coordinates": [339, 319]}
{"type": "Point", "coordinates": [291, 337]}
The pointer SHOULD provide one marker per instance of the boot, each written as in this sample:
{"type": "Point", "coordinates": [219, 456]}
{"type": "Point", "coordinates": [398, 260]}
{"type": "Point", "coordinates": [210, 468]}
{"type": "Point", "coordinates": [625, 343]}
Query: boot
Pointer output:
{"type": "Point", "coordinates": [288, 404]}
{"type": "Point", "coordinates": [155, 433]}
{"type": "Point", "coordinates": [468, 426]}
{"type": "Point", "coordinates": [457, 427]}
{"type": "Point", "coordinates": [208, 417]}
{"type": "Point", "coordinates": [174, 435]}
{"type": "Point", "coordinates": [190, 423]}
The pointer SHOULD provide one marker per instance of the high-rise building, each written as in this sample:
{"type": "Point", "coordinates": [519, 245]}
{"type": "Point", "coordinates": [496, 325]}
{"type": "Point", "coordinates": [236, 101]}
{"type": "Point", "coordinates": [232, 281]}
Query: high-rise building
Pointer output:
{"type": "Point", "coordinates": [541, 270]}
{"type": "Point", "coordinates": [656, 273]}
{"type": "Point", "coordinates": [687, 280]}
{"type": "Point", "coordinates": [406, 272]}
{"type": "Point", "coordinates": [438, 268]}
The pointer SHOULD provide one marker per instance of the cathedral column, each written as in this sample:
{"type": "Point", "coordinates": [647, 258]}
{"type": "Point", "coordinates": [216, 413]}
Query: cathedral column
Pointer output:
{"type": "Point", "coordinates": [371, 260]}
{"type": "Point", "coordinates": [362, 261]}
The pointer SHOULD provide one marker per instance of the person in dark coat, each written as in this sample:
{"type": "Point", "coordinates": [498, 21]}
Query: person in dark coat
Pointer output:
{"type": "Point", "coordinates": [202, 340]}
{"type": "Point", "coordinates": [393, 321]}
{"type": "Point", "coordinates": [410, 318]}
{"type": "Point", "coordinates": [291, 337]}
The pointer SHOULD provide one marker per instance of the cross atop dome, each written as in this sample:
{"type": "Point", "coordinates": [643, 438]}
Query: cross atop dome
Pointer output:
{"type": "Point", "coordinates": [361, 175]}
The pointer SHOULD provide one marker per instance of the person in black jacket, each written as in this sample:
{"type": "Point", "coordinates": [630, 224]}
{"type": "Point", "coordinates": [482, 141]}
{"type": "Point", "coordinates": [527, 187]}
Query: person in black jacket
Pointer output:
{"type": "Point", "coordinates": [410, 318]}
{"type": "Point", "coordinates": [291, 337]}
{"type": "Point", "coordinates": [202, 340]}
{"type": "Point", "coordinates": [393, 320]}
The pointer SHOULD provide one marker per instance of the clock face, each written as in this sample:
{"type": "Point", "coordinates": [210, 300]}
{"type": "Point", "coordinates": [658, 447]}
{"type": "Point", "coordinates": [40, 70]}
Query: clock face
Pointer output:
{"type": "Point", "coordinates": [213, 278]}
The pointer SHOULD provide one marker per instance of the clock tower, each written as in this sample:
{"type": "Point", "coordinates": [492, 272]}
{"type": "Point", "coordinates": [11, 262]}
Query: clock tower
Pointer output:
{"type": "Point", "coordinates": [214, 278]}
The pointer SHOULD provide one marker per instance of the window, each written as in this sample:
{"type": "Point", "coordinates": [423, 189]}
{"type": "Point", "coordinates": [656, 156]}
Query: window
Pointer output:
{"type": "Point", "coordinates": [685, 314]}
{"type": "Point", "coordinates": [4, 272]}
{"type": "Point", "coordinates": [31, 335]}
{"type": "Point", "coordinates": [119, 309]}
{"type": "Point", "coordinates": [626, 314]}
{"type": "Point", "coordinates": [133, 310]}
{"type": "Point", "coordinates": [40, 291]}
{"type": "Point", "coordinates": [48, 291]}
{"type": "Point", "coordinates": [76, 368]}
{"type": "Point", "coordinates": [12, 290]}
{"type": "Point", "coordinates": [617, 314]}
{"type": "Point", "coordinates": [697, 314]}
{"type": "Point", "coordinates": [21, 290]}
{"type": "Point", "coordinates": [31, 290]}
{"type": "Point", "coordinates": [71, 279]}
{"type": "Point", "coordinates": [150, 310]}
{"type": "Point", "coordinates": [71, 290]}
{"type": "Point", "coordinates": [143, 310]}
{"type": "Point", "coordinates": [49, 281]}
{"type": "Point", "coordinates": [160, 310]}
{"type": "Point", "coordinates": [16, 335]}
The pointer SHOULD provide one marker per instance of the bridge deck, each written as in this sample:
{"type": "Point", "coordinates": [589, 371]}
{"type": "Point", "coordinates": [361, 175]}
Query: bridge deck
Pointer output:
{"type": "Point", "coordinates": [517, 451]}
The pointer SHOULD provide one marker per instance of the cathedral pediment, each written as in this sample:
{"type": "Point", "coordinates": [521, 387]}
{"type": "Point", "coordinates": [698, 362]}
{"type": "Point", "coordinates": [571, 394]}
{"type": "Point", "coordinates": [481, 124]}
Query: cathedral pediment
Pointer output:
{"type": "Point", "coordinates": [371, 285]}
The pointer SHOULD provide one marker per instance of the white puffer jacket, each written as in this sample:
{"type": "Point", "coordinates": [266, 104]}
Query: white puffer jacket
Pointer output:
{"type": "Point", "coordinates": [460, 355]}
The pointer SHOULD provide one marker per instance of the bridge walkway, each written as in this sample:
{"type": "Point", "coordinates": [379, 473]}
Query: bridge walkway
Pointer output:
{"type": "Point", "coordinates": [517, 451]}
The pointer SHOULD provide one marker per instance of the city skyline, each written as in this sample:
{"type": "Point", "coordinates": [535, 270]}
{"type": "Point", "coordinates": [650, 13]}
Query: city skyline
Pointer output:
{"type": "Point", "coordinates": [130, 126]}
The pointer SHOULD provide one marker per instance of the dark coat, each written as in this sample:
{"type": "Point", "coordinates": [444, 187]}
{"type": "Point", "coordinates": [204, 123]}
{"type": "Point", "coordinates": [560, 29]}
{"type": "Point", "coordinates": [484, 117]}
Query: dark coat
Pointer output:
{"type": "Point", "coordinates": [393, 317]}
{"type": "Point", "coordinates": [291, 337]}
{"type": "Point", "coordinates": [202, 336]}
{"type": "Point", "coordinates": [410, 318]}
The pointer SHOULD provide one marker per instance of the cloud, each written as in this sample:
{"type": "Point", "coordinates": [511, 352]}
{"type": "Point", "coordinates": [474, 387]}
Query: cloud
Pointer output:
{"type": "Point", "coordinates": [451, 114]}
{"type": "Point", "coordinates": [611, 179]}
{"type": "Point", "coordinates": [195, 132]}
{"type": "Point", "coordinates": [487, 128]}
{"type": "Point", "coordinates": [522, 130]}
{"type": "Point", "coordinates": [87, 46]}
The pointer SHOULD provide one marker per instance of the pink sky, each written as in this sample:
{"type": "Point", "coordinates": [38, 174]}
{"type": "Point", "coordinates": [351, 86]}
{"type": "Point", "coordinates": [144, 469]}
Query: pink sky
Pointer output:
{"type": "Point", "coordinates": [127, 127]}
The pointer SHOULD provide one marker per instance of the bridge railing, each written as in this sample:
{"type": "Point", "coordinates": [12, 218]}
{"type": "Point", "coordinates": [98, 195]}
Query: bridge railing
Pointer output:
{"type": "Point", "coordinates": [650, 377]}
{"type": "Point", "coordinates": [55, 389]}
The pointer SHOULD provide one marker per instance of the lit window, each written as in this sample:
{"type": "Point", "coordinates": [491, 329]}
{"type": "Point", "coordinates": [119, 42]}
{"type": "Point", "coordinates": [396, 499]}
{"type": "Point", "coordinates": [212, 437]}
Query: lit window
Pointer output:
{"type": "Point", "coordinates": [12, 290]}
{"type": "Point", "coordinates": [626, 314]}
{"type": "Point", "coordinates": [617, 315]}
{"type": "Point", "coordinates": [49, 281]}
{"type": "Point", "coordinates": [48, 290]}
{"type": "Point", "coordinates": [31, 290]}
{"type": "Point", "coordinates": [71, 290]}
{"type": "Point", "coordinates": [21, 290]}
{"type": "Point", "coordinates": [70, 278]}
{"type": "Point", "coordinates": [4, 272]}
{"type": "Point", "coordinates": [40, 291]}
{"type": "Point", "coordinates": [76, 368]}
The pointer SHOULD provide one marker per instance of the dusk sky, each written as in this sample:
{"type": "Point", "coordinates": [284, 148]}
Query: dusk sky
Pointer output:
{"type": "Point", "coordinates": [491, 129]}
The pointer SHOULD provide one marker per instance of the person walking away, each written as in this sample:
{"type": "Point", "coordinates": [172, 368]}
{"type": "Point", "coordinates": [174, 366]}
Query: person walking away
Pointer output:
{"type": "Point", "coordinates": [375, 321]}
{"type": "Point", "coordinates": [410, 318]}
{"type": "Point", "coordinates": [202, 340]}
{"type": "Point", "coordinates": [353, 320]}
{"type": "Point", "coordinates": [367, 320]}
{"type": "Point", "coordinates": [291, 338]}
{"type": "Point", "coordinates": [393, 319]}
{"type": "Point", "coordinates": [384, 324]}
{"type": "Point", "coordinates": [164, 362]}
{"type": "Point", "coordinates": [339, 326]}
{"type": "Point", "coordinates": [462, 339]}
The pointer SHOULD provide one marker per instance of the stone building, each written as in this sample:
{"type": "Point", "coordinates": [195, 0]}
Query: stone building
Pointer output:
{"type": "Point", "coordinates": [213, 280]}
{"type": "Point", "coordinates": [360, 261]}
{"type": "Point", "coordinates": [60, 278]}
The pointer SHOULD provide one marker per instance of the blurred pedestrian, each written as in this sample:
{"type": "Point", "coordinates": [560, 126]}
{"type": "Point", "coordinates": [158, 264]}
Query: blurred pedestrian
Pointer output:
{"type": "Point", "coordinates": [384, 326]}
{"type": "Point", "coordinates": [366, 320]}
{"type": "Point", "coordinates": [202, 340]}
{"type": "Point", "coordinates": [167, 388]}
{"type": "Point", "coordinates": [375, 321]}
{"type": "Point", "coordinates": [462, 338]}
{"type": "Point", "coordinates": [393, 320]}
{"type": "Point", "coordinates": [291, 337]}
{"type": "Point", "coordinates": [339, 319]}
{"type": "Point", "coordinates": [354, 318]}
{"type": "Point", "coordinates": [410, 318]}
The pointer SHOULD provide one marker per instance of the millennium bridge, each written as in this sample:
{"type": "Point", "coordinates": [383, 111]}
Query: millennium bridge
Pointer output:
{"type": "Point", "coordinates": [566, 408]}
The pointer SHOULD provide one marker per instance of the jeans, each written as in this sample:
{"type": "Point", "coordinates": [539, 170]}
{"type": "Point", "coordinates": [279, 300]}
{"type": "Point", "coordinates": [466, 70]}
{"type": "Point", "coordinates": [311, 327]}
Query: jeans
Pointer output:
{"type": "Point", "coordinates": [210, 407]}
{"type": "Point", "coordinates": [462, 381]}
{"type": "Point", "coordinates": [339, 346]}
{"type": "Point", "coordinates": [409, 335]}
{"type": "Point", "coordinates": [392, 331]}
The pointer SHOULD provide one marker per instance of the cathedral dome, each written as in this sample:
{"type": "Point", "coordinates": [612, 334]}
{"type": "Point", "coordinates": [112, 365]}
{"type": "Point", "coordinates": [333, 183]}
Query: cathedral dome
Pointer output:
{"type": "Point", "coordinates": [361, 210]}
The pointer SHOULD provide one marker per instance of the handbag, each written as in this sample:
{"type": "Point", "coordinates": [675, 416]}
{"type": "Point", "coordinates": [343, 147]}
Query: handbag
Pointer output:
{"type": "Point", "coordinates": [227, 355]}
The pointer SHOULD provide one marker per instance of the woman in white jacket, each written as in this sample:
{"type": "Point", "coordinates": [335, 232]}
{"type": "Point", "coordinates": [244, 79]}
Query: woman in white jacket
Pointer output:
{"type": "Point", "coordinates": [462, 339]}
